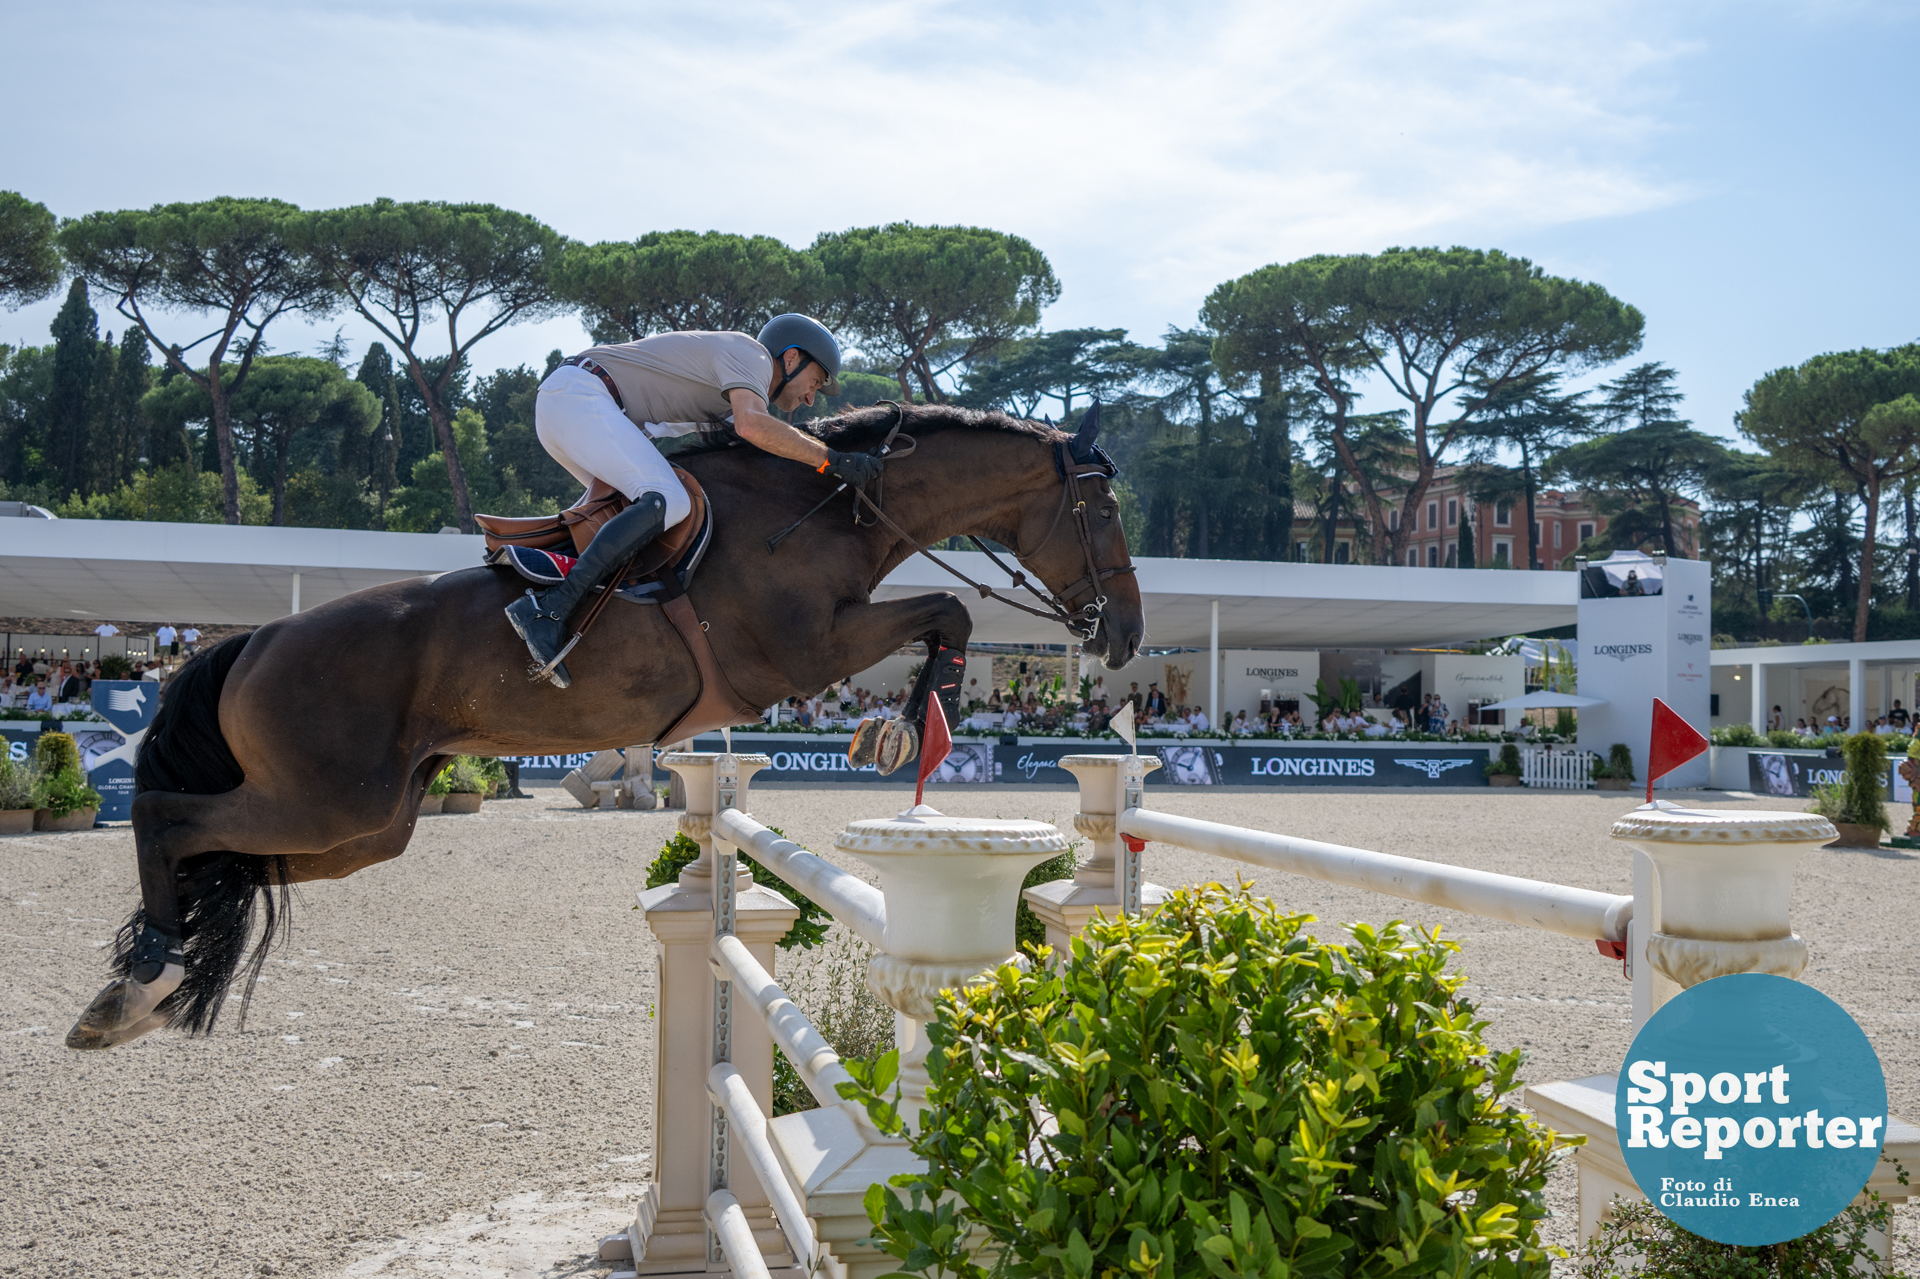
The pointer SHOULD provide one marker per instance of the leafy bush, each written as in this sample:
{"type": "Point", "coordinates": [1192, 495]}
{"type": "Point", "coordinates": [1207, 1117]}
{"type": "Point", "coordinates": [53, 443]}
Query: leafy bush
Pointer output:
{"type": "Point", "coordinates": [465, 776]}
{"type": "Point", "coordinates": [1639, 1242]}
{"type": "Point", "coordinates": [1734, 735]}
{"type": "Point", "coordinates": [1029, 933]}
{"type": "Point", "coordinates": [1863, 788]}
{"type": "Point", "coordinates": [18, 781]}
{"type": "Point", "coordinates": [1508, 765]}
{"type": "Point", "coordinates": [114, 666]}
{"type": "Point", "coordinates": [56, 753]}
{"type": "Point", "coordinates": [807, 932]}
{"type": "Point", "coordinates": [65, 792]}
{"type": "Point", "coordinates": [836, 999]}
{"type": "Point", "coordinates": [1209, 1090]}
{"type": "Point", "coordinates": [441, 784]}
{"type": "Point", "coordinates": [1620, 761]}
{"type": "Point", "coordinates": [1785, 739]}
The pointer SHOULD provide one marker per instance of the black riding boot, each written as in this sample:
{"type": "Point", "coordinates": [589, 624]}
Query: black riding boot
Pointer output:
{"type": "Point", "coordinates": [540, 618]}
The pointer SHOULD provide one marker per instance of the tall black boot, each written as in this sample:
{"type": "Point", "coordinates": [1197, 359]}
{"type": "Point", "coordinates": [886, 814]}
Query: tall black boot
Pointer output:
{"type": "Point", "coordinates": [540, 618]}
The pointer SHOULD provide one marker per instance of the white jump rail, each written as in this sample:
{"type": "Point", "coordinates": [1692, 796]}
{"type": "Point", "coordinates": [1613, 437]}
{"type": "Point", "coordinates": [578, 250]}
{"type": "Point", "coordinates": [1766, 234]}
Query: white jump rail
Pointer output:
{"type": "Point", "coordinates": [1554, 908]}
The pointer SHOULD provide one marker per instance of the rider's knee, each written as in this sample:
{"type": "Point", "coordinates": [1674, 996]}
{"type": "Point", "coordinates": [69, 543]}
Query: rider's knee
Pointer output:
{"type": "Point", "coordinates": [679, 506]}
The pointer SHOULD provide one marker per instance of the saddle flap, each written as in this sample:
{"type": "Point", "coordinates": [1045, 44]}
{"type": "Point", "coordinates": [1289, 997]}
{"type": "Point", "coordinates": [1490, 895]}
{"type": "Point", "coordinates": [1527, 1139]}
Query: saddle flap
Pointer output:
{"type": "Point", "coordinates": [577, 524]}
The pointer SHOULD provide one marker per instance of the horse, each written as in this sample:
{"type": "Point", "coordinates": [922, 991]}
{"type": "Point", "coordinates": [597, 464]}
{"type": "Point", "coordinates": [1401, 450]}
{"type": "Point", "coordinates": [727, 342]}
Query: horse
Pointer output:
{"type": "Point", "coordinates": [300, 751]}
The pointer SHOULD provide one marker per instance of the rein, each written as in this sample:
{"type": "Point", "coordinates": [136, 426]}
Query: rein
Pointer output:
{"type": "Point", "coordinates": [1083, 621]}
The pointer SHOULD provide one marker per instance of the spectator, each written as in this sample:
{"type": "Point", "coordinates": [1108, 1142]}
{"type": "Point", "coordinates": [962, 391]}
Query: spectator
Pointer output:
{"type": "Point", "coordinates": [40, 666]}
{"type": "Point", "coordinates": [1882, 728]}
{"type": "Point", "coordinates": [168, 639]}
{"type": "Point", "coordinates": [1778, 721]}
{"type": "Point", "coordinates": [106, 629]}
{"type": "Point", "coordinates": [1199, 722]}
{"type": "Point", "coordinates": [70, 688]}
{"type": "Point", "coordinates": [151, 671]}
{"type": "Point", "coordinates": [191, 638]}
{"type": "Point", "coordinates": [1156, 701]}
{"type": "Point", "coordinates": [23, 669]}
{"type": "Point", "coordinates": [1800, 728]}
{"type": "Point", "coordinates": [40, 699]}
{"type": "Point", "coordinates": [1453, 728]}
{"type": "Point", "coordinates": [1898, 716]}
{"type": "Point", "coordinates": [1239, 725]}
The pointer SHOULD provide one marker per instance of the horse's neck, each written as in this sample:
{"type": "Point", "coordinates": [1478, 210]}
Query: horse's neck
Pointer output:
{"type": "Point", "coordinates": [934, 501]}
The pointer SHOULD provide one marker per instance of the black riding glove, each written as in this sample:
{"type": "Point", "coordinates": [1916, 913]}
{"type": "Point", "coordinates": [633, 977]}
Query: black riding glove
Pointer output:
{"type": "Point", "coordinates": [857, 469]}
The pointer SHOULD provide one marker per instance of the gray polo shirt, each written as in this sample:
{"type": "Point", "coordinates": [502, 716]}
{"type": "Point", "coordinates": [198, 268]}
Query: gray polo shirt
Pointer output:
{"type": "Point", "coordinates": [681, 380]}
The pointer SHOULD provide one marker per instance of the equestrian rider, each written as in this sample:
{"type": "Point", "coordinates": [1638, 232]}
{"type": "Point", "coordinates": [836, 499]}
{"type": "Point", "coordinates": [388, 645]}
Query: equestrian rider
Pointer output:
{"type": "Point", "coordinates": [599, 413]}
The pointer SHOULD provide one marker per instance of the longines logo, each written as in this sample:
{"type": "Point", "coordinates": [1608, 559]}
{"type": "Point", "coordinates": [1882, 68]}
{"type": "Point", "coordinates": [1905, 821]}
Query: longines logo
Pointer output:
{"type": "Point", "coordinates": [1685, 638]}
{"type": "Point", "coordinates": [1622, 652]}
{"type": "Point", "coordinates": [1273, 672]}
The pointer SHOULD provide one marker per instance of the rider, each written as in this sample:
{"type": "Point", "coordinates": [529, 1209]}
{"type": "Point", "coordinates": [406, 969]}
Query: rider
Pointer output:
{"type": "Point", "coordinates": [600, 412]}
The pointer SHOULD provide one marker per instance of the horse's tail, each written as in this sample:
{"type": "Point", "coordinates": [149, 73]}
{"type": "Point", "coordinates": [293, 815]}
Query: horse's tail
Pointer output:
{"type": "Point", "coordinates": [185, 752]}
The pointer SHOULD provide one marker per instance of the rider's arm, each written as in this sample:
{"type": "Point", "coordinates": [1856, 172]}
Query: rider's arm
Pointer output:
{"type": "Point", "coordinates": [768, 433]}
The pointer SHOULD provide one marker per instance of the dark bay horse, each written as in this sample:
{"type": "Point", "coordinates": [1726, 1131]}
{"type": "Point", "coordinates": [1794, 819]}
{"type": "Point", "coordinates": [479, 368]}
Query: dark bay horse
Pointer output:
{"type": "Point", "coordinates": [300, 751]}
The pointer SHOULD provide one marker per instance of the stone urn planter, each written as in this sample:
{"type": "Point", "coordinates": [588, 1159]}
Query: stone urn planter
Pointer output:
{"type": "Point", "coordinates": [459, 803]}
{"type": "Point", "coordinates": [1854, 835]}
{"type": "Point", "coordinates": [430, 804]}
{"type": "Point", "coordinates": [1503, 779]}
{"type": "Point", "coordinates": [1612, 783]}
{"type": "Point", "coordinates": [16, 821]}
{"type": "Point", "coordinates": [78, 819]}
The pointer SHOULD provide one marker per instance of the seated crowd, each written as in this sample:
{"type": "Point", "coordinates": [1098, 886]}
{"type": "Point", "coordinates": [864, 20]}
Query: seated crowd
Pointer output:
{"type": "Point", "coordinates": [39, 685]}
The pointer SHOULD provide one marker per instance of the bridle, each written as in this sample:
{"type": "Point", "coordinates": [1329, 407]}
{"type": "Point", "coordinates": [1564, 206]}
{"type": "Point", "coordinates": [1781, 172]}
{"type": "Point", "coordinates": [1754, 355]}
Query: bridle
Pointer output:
{"type": "Point", "coordinates": [1084, 621]}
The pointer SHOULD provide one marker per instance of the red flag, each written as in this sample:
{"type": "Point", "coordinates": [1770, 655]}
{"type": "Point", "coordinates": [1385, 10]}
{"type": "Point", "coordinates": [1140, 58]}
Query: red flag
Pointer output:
{"type": "Point", "coordinates": [1674, 743]}
{"type": "Point", "coordinates": [934, 746]}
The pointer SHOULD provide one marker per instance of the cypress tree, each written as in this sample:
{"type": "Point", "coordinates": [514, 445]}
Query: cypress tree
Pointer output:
{"type": "Point", "coordinates": [132, 376]}
{"type": "Point", "coordinates": [1464, 557]}
{"type": "Point", "coordinates": [76, 334]}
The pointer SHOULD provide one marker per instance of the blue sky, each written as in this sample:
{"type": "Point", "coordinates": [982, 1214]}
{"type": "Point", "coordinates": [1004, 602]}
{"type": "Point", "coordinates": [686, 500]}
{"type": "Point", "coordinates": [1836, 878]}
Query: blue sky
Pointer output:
{"type": "Point", "coordinates": [1743, 173]}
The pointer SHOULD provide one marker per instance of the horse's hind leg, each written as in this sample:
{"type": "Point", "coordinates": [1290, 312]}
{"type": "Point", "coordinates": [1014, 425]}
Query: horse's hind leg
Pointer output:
{"type": "Point", "coordinates": [171, 828]}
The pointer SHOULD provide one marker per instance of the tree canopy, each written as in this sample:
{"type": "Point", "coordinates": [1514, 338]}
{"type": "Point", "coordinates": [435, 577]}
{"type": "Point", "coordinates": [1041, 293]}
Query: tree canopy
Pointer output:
{"type": "Point", "coordinates": [1849, 418]}
{"type": "Point", "coordinates": [403, 266]}
{"type": "Point", "coordinates": [1057, 367]}
{"type": "Point", "coordinates": [929, 299]}
{"type": "Point", "coordinates": [667, 281]}
{"type": "Point", "coordinates": [234, 258]}
{"type": "Point", "coordinates": [1444, 329]}
{"type": "Point", "coordinates": [29, 257]}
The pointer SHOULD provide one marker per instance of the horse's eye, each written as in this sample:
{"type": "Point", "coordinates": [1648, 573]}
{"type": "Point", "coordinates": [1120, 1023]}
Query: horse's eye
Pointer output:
{"type": "Point", "coordinates": [1106, 512]}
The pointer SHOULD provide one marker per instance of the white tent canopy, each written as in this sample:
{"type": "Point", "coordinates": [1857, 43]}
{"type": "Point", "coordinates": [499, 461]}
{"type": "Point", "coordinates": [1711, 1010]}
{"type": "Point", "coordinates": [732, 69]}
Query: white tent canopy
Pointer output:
{"type": "Point", "coordinates": [1544, 701]}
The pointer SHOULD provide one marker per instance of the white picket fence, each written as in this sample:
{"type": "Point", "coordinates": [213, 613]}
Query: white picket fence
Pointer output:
{"type": "Point", "coordinates": [1564, 768]}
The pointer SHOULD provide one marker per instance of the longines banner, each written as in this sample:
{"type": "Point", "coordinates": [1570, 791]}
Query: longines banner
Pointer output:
{"type": "Point", "coordinates": [1752, 1109]}
{"type": "Point", "coordinates": [1201, 764]}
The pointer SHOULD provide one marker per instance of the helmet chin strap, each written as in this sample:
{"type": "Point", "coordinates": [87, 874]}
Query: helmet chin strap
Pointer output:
{"type": "Point", "coordinates": [786, 377]}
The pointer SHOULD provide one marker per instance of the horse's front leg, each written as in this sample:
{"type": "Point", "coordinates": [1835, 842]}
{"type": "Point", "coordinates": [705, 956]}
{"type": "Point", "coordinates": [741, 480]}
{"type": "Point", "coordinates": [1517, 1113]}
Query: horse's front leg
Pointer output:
{"type": "Point", "coordinates": [942, 623]}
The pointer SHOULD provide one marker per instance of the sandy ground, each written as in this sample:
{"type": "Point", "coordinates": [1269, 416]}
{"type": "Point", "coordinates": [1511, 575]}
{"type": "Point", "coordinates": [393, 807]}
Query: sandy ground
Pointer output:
{"type": "Point", "coordinates": [446, 1073]}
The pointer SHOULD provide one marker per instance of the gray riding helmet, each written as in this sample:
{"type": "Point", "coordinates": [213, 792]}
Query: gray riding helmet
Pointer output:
{"type": "Point", "coordinates": [794, 331]}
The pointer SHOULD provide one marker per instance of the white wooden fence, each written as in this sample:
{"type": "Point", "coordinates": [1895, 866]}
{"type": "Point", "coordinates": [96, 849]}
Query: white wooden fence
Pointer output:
{"type": "Point", "coordinates": [1564, 768]}
{"type": "Point", "coordinates": [944, 913]}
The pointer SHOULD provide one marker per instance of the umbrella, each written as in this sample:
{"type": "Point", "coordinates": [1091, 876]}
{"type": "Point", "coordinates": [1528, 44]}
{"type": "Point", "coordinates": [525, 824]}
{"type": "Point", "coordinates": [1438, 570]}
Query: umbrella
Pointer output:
{"type": "Point", "coordinates": [1544, 701]}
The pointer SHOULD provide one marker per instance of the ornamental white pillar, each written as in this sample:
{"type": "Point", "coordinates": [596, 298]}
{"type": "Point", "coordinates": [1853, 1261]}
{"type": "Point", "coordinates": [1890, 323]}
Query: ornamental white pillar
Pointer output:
{"type": "Point", "coordinates": [1213, 668]}
{"type": "Point", "coordinates": [1099, 881]}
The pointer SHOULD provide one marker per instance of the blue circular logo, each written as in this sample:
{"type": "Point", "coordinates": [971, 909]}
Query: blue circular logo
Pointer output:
{"type": "Point", "coordinates": [1751, 1109]}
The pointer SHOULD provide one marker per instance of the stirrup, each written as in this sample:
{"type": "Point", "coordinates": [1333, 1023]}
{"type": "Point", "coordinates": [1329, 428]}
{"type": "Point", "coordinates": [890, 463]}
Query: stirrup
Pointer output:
{"type": "Point", "coordinates": [548, 671]}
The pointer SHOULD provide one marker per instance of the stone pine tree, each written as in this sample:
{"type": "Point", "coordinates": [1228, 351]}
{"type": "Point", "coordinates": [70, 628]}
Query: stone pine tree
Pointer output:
{"type": "Point", "coordinates": [428, 267]}
{"type": "Point", "coordinates": [667, 281]}
{"type": "Point", "coordinates": [1443, 329]}
{"type": "Point", "coordinates": [931, 299]}
{"type": "Point", "coordinates": [29, 258]}
{"type": "Point", "coordinates": [232, 259]}
{"type": "Point", "coordinates": [1644, 453]}
{"type": "Point", "coordinates": [1850, 418]}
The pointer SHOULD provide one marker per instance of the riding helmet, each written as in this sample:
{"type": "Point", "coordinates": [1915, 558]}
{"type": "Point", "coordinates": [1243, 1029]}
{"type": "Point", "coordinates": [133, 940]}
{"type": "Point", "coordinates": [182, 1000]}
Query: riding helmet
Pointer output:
{"type": "Point", "coordinates": [810, 337]}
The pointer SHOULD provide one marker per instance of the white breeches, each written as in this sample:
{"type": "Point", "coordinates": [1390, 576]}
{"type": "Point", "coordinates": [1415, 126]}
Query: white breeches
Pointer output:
{"type": "Point", "coordinates": [584, 431]}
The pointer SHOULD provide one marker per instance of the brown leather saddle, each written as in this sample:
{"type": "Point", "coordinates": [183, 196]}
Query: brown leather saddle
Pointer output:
{"type": "Point", "coordinates": [717, 705]}
{"type": "Point", "coordinates": [575, 527]}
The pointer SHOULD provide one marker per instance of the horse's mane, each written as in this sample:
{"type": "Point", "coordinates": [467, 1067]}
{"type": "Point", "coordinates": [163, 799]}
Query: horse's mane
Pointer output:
{"type": "Point", "coordinates": [864, 428]}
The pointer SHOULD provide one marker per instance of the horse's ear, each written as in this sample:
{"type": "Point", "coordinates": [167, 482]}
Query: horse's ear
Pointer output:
{"type": "Point", "coordinates": [1089, 432]}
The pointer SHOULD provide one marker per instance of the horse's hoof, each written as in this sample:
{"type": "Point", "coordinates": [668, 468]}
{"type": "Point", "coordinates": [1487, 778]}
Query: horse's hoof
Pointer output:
{"type": "Point", "coordinates": [866, 742]}
{"type": "Point", "coordinates": [899, 743]}
{"type": "Point", "coordinates": [124, 1011]}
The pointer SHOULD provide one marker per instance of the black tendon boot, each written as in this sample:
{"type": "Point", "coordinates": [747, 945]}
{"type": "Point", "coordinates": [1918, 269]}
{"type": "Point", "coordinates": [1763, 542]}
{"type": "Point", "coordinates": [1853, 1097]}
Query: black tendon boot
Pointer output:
{"type": "Point", "coordinates": [540, 618]}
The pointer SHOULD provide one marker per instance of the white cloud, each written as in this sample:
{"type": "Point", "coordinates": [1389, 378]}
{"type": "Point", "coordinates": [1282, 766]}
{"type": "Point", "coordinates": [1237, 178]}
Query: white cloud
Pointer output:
{"type": "Point", "coordinates": [1151, 152]}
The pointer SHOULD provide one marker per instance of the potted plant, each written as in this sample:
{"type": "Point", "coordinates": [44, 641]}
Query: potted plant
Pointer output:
{"type": "Point", "coordinates": [1857, 805]}
{"type": "Point", "coordinates": [1617, 772]}
{"type": "Point", "coordinates": [436, 794]}
{"type": "Point", "coordinates": [465, 786]}
{"type": "Point", "coordinates": [62, 798]}
{"type": "Point", "coordinates": [16, 795]}
{"type": "Point", "coordinates": [1505, 771]}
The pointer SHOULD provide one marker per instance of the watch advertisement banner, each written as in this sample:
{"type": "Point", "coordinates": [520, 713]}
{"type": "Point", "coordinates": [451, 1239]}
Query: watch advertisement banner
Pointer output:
{"type": "Point", "coordinates": [1751, 1109]}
